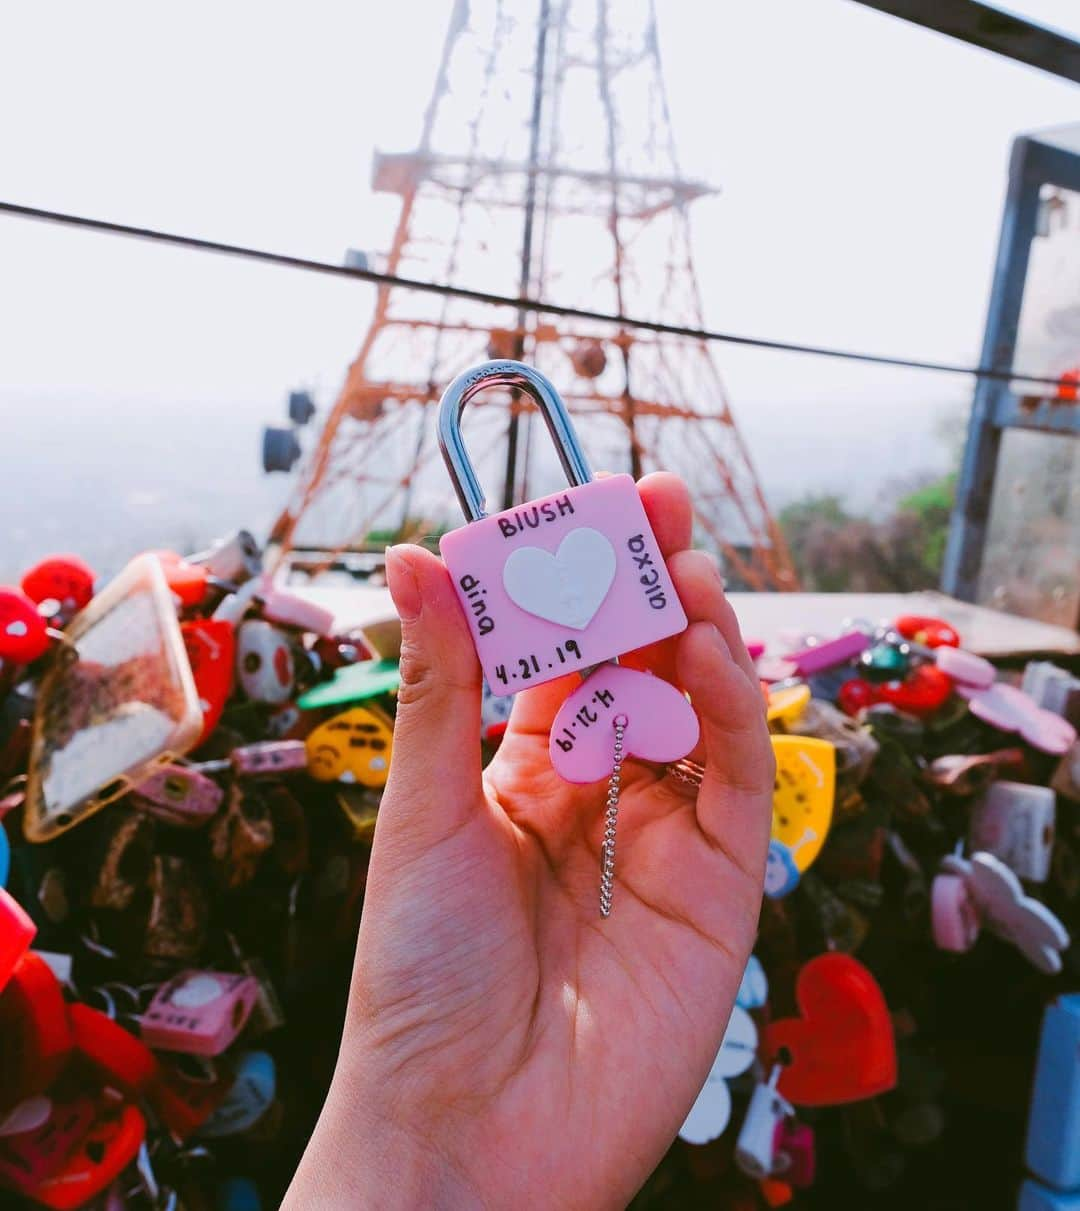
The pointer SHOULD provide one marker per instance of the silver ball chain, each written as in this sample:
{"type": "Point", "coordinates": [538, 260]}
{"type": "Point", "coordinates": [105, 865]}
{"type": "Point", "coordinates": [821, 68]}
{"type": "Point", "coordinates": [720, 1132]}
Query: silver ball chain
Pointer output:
{"type": "Point", "coordinates": [611, 816]}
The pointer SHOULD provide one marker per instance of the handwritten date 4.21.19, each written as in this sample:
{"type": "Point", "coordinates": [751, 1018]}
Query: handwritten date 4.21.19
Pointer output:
{"type": "Point", "coordinates": [566, 653]}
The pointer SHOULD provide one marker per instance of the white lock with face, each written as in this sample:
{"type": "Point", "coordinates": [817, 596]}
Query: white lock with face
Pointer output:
{"type": "Point", "coordinates": [265, 663]}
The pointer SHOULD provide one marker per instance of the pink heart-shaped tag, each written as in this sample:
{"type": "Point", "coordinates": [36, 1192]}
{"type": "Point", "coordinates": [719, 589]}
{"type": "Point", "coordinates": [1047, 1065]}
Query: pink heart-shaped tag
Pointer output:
{"type": "Point", "coordinates": [660, 724]}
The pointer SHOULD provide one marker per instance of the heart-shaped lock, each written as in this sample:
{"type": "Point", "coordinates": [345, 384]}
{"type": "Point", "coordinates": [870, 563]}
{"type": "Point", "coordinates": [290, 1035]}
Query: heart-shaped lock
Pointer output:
{"type": "Point", "coordinates": [65, 579]}
{"type": "Point", "coordinates": [24, 634]}
{"type": "Point", "coordinates": [931, 632]}
{"type": "Point", "coordinates": [841, 1048]}
{"type": "Point", "coordinates": [661, 725]}
{"type": "Point", "coordinates": [803, 795]}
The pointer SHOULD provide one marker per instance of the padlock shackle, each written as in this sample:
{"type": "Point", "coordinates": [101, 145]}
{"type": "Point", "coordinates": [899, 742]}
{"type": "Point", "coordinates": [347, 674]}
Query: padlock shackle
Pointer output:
{"type": "Point", "coordinates": [515, 375]}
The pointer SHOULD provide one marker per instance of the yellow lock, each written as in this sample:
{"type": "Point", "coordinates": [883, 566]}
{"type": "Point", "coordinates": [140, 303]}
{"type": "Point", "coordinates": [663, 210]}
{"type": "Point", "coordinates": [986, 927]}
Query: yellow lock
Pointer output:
{"type": "Point", "coordinates": [803, 795]}
{"type": "Point", "coordinates": [354, 746]}
{"type": "Point", "coordinates": [788, 704]}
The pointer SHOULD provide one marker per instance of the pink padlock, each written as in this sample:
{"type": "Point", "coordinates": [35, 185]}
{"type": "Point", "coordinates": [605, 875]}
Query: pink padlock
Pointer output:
{"type": "Point", "coordinates": [965, 668]}
{"type": "Point", "coordinates": [795, 1157]}
{"type": "Point", "coordinates": [199, 1012]}
{"type": "Point", "coordinates": [829, 653]}
{"type": "Point", "coordinates": [178, 795]}
{"type": "Point", "coordinates": [291, 610]}
{"type": "Point", "coordinates": [954, 915]}
{"type": "Point", "coordinates": [560, 584]}
{"type": "Point", "coordinates": [269, 757]}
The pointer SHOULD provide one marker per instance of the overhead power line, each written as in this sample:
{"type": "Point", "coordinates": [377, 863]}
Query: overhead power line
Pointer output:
{"type": "Point", "coordinates": [540, 306]}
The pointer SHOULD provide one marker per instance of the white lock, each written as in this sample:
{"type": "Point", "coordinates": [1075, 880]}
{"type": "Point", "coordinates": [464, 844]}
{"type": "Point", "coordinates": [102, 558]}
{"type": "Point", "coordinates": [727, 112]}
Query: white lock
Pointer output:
{"type": "Point", "coordinates": [1015, 822]}
{"type": "Point", "coordinates": [265, 664]}
{"type": "Point", "coordinates": [755, 1149]}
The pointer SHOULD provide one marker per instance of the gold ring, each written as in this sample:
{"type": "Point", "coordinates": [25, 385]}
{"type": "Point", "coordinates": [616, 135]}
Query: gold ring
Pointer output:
{"type": "Point", "coordinates": [688, 772]}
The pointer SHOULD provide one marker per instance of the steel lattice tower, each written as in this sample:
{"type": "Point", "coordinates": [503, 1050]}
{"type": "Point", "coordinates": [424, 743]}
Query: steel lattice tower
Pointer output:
{"type": "Point", "coordinates": [546, 168]}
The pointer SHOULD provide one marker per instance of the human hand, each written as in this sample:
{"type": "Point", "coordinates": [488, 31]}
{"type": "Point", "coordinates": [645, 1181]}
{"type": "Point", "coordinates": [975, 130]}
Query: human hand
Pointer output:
{"type": "Point", "coordinates": [503, 1041]}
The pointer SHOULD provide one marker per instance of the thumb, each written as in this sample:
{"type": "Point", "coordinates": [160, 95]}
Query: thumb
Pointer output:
{"type": "Point", "coordinates": [435, 767]}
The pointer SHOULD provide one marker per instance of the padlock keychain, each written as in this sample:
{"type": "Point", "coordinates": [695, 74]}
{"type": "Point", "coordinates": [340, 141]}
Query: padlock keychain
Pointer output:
{"type": "Point", "coordinates": [568, 583]}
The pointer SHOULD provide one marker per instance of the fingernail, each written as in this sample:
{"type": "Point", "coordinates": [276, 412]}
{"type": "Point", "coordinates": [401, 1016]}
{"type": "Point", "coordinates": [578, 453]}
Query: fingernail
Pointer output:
{"type": "Point", "coordinates": [401, 581]}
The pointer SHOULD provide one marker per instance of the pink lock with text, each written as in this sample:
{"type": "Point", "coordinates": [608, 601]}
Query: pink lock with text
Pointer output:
{"type": "Point", "coordinates": [560, 584]}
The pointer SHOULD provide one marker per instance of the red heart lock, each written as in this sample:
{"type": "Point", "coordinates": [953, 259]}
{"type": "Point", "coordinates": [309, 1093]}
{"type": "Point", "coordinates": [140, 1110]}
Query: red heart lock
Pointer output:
{"type": "Point", "coordinates": [211, 649]}
{"type": "Point", "coordinates": [62, 578]}
{"type": "Point", "coordinates": [923, 691]}
{"type": "Point", "coordinates": [842, 1048]}
{"type": "Point", "coordinates": [24, 637]}
{"type": "Point", "coordinates": [931, 632]}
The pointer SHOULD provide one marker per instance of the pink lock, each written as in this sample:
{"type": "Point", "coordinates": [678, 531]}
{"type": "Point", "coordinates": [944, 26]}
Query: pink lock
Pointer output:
{"type": "Point", "coordinates": [199, 1012]}
{"type": "Point", "coordinates": [829, 653]}
{"type": "Point", "coordinates": [955, 917]}
{"type": "Point", "coordinates": [560, 584]}
{"type": "Point", "coordinates": [965, 668]}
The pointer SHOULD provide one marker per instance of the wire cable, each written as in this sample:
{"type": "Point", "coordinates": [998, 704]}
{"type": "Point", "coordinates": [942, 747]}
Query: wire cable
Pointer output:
{"type": "Point", "coordinates": [309, 265]}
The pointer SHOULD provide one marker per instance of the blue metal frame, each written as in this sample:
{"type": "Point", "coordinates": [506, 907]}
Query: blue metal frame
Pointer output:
{"type": "Point", "coordinates": [1036, 160]}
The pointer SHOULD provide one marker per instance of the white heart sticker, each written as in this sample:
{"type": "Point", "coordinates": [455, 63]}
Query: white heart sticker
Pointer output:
{"type": "Point", "coordinates": [567, 587]}
{"type": "Point", "coordinates": [17, 628]}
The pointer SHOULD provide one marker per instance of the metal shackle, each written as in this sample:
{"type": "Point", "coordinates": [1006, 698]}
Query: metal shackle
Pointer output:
{"type": "Point", "coordinates": [515, 375]}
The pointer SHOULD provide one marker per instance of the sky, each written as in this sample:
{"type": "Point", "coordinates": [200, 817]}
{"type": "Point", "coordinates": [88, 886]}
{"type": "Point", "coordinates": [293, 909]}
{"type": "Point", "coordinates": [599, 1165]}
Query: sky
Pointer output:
{"type": "Point", "coordinates": [861, 163]}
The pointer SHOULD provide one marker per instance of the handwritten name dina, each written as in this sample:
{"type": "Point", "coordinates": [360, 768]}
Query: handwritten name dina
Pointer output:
{"type": "Point", "coordinates": [532, 517]}
{"type": "Point", "coordinates": [476, 596]}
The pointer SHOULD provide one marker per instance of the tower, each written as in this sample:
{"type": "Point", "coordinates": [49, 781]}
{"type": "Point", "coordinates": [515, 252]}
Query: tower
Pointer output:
{"type": "Point", "coordinates": [546, 169]}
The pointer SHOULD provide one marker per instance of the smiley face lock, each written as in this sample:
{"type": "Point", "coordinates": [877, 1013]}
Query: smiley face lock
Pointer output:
{"type": "Point", "coordinates": [565, 584]}
{"type": "Point", "coordinates": [354, 746]}
{"type": "Point", "coordinates": [802, 809]}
